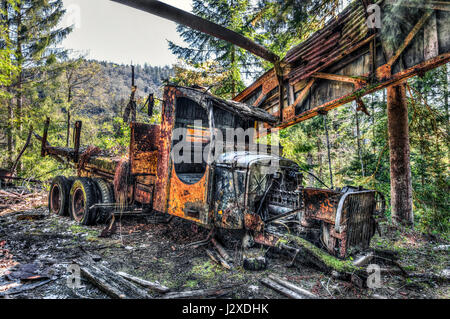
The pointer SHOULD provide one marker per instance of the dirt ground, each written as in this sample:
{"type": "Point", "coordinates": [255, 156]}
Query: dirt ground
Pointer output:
{"type": "Point", "coordinates": [43, 245]}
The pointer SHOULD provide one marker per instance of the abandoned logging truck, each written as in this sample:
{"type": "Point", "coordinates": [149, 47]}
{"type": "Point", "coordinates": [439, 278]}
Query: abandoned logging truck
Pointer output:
{"type": "Point", "coordinates": [257, 194]}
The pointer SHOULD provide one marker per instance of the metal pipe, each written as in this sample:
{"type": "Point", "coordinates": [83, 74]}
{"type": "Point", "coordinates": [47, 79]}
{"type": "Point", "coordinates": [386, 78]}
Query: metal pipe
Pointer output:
{"type": "Point", "coordinates": [188, 19]}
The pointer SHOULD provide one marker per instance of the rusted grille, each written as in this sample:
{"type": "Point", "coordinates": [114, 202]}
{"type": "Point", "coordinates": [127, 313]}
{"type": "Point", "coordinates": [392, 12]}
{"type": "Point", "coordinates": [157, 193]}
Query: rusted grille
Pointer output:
{"type": "Point", "coordinates": [359, 222]}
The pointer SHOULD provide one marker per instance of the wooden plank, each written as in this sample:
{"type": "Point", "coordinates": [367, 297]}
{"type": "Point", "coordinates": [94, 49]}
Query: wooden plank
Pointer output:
{"type": "Point", "coordinates": [108, 281]}
{"type": "Point", "coordinates": [294, 288]}
{"type": "Point", "coordinates": [281, 289]}
{"type": "Point", "coordinates": [202, 293]}
{"type": "Point", "coordinates": [145, 283]}
{"type": "Point", "coordinates": [338, 77]}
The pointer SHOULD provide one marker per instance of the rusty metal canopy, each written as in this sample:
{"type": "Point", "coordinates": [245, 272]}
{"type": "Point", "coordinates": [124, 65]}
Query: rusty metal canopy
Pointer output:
{"type": "Point", "coordinates": [202, 97]}
{"type": "Point", "coordinates": [350, 58]}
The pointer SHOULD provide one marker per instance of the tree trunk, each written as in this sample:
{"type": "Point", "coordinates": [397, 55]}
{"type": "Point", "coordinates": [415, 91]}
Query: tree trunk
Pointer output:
{"type": "Point", "coordinates": [309, 161]}
{"type": "Point", "coordinates": [9, 132]}
{"type": "Point", "coordinates": [446, 93]}
{"type": "Point", "coordinates": [358, 140]}
{"type": "Point", "coordinates": [400, 169]}
{"type": "Point", "coordinates": [69, 99]}
{"type": "Point", "coordinates": [10, 110]}
{"type": "Point", "coordinates": [319, 157]}
{"type": "Point", "coordinates": [19, 86]}
{"type": "Point", "coordinates": [233, 66]}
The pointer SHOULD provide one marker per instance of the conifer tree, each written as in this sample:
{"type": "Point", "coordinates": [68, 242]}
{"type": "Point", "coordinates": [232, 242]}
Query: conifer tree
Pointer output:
{"type": "Point", "coordinates": [33, 35]}
{"type": "Point", "coordinates": [285, 23]}
{"type": "Point", "coordinates": [235, 62]}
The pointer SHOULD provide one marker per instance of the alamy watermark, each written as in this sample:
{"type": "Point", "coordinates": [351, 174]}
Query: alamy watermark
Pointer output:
{"type": "Point", "coordinates": [74, 278]}
{"type": "Point", "coordinates": [373, 20]}
{"type": "Point", "coordinates": [374, 278]}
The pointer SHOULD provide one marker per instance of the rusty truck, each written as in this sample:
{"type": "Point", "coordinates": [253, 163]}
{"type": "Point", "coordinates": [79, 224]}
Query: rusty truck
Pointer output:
{"type": "Point", "coordinates": [246, 187]}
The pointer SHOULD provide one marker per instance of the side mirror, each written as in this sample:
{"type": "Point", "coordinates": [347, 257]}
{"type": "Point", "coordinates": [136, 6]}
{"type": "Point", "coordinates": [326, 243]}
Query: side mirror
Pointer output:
{"type": "Point", "coordinates": [151, 104]}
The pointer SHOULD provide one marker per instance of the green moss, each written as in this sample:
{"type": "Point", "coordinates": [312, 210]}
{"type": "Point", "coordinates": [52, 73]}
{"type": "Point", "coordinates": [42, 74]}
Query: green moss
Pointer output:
{"type": "Point", "coordinates": [191, 284]}
{"type": "Point", "coordinates": [207, 270]}
{"type": "Point", "coordinates": [77, 229]}
{"type": "Point", "coordinates": [344, 266]}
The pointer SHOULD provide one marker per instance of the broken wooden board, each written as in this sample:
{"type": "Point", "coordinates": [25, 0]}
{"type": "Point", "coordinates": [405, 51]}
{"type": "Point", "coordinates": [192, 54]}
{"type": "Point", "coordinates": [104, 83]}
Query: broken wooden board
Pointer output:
{"type": "Point", "coordinates": [281, 289]}
{"type": "Point", "coordinates": [294, 288]}
{"type": "Point", "coordinates": [25, 287]}
{"type": "Point", "coordinates": [145, 283]}
{"type": "Point", "coordinates": [108, 281]}
{"type": "Point", "coordinates": [202, 293]}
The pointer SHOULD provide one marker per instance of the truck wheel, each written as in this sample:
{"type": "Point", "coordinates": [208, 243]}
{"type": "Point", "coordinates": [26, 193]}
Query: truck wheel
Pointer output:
{"type": "Point", "coordinates": [106, 196]}
{"type": "Point", "coordinates": [58, 196]}
{"type": "Point", "coordinates": [82, 196]}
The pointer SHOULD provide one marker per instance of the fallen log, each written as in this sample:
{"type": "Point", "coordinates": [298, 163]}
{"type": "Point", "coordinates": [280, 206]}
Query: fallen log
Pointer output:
{"type": "Point", "coordinates": [217, 259]}
{"type": "Point", "coordinates": [26, 287]}
{"type": "Point", "coordinates": [363, 260]}
{"type": "Point", "coordinates": [296, 289]}
{"type": "Point", "coordinates": [145, 283]}
{"type": "Point", "coordinates": [214, 292]}
{"type": "Point", "coordinates": [281, 289]}
{"type": "Point", "coordinates": [310, 254]}
{"type": "Point", "coordinates": [6, 193]}
{"type": "Point", "coordinates": [441, 247]}
{"type": "Point", "coordinates": [30, 180]}
{"type": "Point", "coordinates": [443, 276]}
{"type": "Point", "coordinates": [386, 253]}
{"type": "Point", "coordinates": [221, 250]}
{"type": "Point", "coordinates": [108, 281]}
{"type": "Point", "coordinates": [102, 283]}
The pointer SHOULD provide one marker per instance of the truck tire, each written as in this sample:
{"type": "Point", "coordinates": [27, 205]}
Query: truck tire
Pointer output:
{"type": "Point", "coordinates": [58, 196]}
{"type": "Point", "coordinates": [106, 196]}
{"type": "Point", "coordinates": [82, 197]}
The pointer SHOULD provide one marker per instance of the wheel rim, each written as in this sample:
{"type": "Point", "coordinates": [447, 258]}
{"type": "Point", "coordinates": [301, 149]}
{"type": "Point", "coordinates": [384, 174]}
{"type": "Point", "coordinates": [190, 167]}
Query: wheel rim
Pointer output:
{"type": "Point", "coordinates": [56, 199]}
{"type": "Point", "coordinates": [78, 204]}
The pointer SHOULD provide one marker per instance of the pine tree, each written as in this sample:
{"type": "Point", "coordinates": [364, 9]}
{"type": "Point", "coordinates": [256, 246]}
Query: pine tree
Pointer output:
{"type": "Point", "coordinates": [34, 34]}
{"type": "Point", "coordinates": [234, 61]}
{"type": "Point", "coordinates": [7, 70]}
{"type": "Point", "coordinates": [285, 23]}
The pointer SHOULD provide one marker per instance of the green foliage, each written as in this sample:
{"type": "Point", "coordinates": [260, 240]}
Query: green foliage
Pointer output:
{"type": "Point", "coordinates": [283, 24]}
{"type": "Point", "coordinates": [235, 61]}
{"type": "Point", "coordinates": [429, 143]}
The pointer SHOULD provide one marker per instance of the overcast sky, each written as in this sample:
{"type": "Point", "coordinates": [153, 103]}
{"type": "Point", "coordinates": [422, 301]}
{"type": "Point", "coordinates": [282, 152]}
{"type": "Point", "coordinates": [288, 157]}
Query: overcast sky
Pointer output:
{"type": "Point", "coordinates": [105, 30]}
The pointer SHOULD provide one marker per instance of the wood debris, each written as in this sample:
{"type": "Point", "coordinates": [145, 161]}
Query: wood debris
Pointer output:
{"type": "Point", "coordinates": [291, 286]}
{"type": "Point", "coordinates": [108, 281]}
{"type": "Point", "coordinates": [281, 289]}
{"type": "Point", "coordinates": [16, 200]}
{"type": "Point", "coordinates": [202, 293]}
{"type": "Point", "coordinates": [145, 283]}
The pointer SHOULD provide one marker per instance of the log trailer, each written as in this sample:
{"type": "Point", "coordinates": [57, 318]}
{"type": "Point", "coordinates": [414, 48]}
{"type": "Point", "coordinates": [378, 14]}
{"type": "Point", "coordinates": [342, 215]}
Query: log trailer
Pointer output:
{"type": "Point", "coordinates": [242, 189]}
